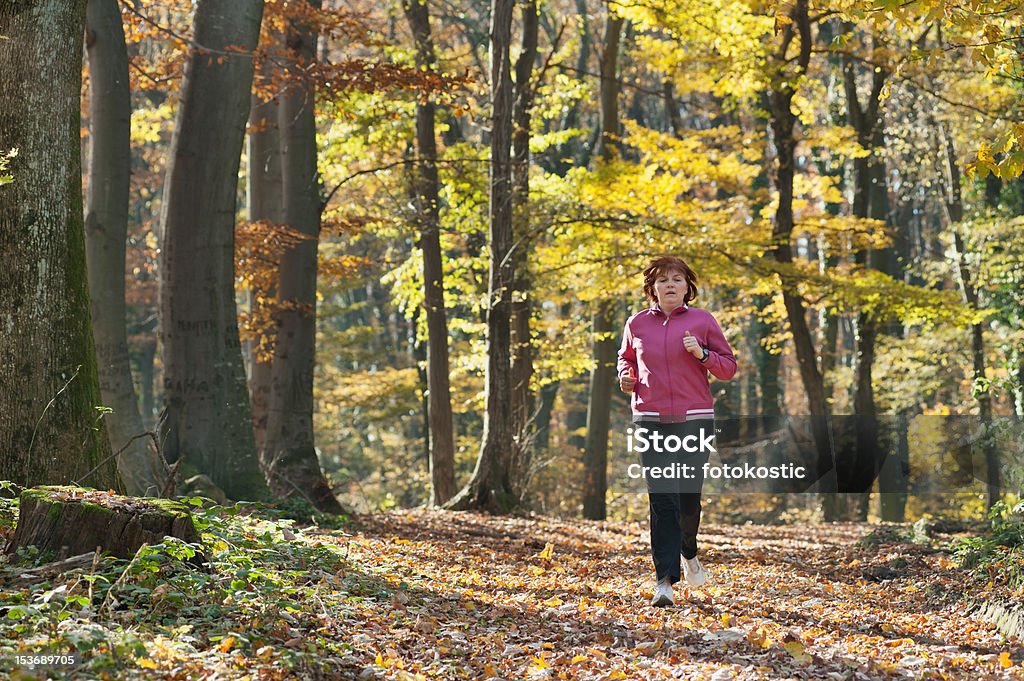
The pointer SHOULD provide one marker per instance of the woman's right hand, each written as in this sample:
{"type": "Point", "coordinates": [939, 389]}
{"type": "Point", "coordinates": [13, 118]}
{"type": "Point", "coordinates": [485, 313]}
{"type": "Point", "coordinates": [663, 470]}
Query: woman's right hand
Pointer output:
{"type": "Point", "coordinates": [627, 381]}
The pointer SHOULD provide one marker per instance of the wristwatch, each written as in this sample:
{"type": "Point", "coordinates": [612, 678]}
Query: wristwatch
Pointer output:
{"type": "Point", "coordinates": [705, 357]}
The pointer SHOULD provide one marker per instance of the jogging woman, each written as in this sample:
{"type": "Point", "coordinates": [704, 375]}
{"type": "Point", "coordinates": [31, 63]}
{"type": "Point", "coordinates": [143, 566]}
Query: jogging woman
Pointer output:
{"type": "Point", "coordinates": [667, 354]}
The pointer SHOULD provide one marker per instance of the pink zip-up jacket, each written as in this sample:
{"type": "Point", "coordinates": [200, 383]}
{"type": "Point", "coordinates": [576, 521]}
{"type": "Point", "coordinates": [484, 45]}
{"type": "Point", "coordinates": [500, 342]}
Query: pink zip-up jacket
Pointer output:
{"type": "Point", "coordinates": [672, 385]}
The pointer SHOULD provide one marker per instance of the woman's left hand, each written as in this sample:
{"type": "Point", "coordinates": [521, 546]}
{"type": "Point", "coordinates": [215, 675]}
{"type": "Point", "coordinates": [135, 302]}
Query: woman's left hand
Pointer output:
{"type": "Point", "coordinates": [692, 346]}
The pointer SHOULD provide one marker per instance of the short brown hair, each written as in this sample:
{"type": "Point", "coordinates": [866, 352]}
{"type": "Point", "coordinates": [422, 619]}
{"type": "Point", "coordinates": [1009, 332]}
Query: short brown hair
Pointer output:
{"type": "Point", "coordinates": [669, 263]}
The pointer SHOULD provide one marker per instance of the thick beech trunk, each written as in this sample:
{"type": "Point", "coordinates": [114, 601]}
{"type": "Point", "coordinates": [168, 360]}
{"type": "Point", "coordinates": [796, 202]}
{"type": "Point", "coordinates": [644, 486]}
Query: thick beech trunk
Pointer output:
{"type": "Point", "coordinates": [106, 230]}
{"type": "Point", "coordinates": [50, 426]}
{"type": "Point", "coordinates": [288, 455]}
{"type": "Point", "coordinates": [208, 416]}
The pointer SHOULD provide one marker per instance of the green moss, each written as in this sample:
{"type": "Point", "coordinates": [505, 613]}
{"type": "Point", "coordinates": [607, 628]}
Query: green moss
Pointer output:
{"type": "Point", "coordinates": [45, 494]}
{"type": "Point", "coordinates": [169, 505]}
{"type": "Point", "coordinates": [96, 508]}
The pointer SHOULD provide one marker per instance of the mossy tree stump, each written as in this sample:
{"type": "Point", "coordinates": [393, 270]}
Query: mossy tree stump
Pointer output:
{"type": "Point", "coordinates": [67, 521]}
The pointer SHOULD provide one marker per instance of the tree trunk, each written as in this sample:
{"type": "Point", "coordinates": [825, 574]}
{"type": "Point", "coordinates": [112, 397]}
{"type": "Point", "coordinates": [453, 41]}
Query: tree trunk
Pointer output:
{"type": "Point", "coordinates": [828, 322]}
{"type": "Point", "coordinates": [106, 231]}
{"type": "Point", "coordinates": [576, 405]}
{"type": "Point", "coordinates": [783, 124]}
{"type": "Point", "coordinates": [602, 376]}
{"type": "Point", "coordinates": [609, 86]}
{"type": "Point", "coordinates": [147, 377]}
{"type": "Point", "coordinates": [767, 364]}
{"type": "Point", "coordinates": [491, 486]}
{"type": "Point", "coordinates": [50, 429]}
{"type": "Point", "coordinates": [870, 200]}
{"type": "Point", "coordinates": [955, 215]}
{"type": "Point", "coordinates": [893, 479]}
{"type": "Point", "coordinates": [208, 416]}
{"type": "Point", "coordinates": [289, 455]}
{"type": "Point", "coordinates": [439, 404]}
{"type": "Point", "coordinates": [545, 406]}
{"type": "Point", "coordinates": [672, 108]}
{"type": "Point", "coordinates": [264, 194]}
{"type": "Point", "coordinates": [602, 383]}
{"type": "Point", "coordinates": [521, 306]}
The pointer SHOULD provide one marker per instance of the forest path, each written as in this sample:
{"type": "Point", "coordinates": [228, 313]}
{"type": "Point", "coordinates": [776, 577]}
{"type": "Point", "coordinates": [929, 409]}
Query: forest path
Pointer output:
{"type": "Point", "coordinates": [475, 596]}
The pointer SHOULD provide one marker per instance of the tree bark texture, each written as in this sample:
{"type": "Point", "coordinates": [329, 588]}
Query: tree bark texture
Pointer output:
{"type": "Point", "coordinates": [106, 231]}
{"type": "Point", "coordinates": [602, 376]}
{"type": "Point", "coordinates": [264, 195]}
{"type": "Point", "coordinates": [522, 309]}
{"type": "Point", "coordinates": [146, 359]}
{"type": "Point", "coordinates": [50, 426]}
{"type": "Point", "coordinates": [609, 90]}
{"type": "Point", "coordinates": [427, 186]}
{"type": "Point", "coordinates": [491, 486]}
{"type": "Point", "coordinates": [289, 455]}
{"type": "Point", "coordinates": [208, 416]}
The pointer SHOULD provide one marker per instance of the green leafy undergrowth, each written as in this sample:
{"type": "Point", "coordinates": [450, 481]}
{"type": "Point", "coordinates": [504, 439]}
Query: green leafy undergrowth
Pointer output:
{"type": "Point", "coordinates": [263, 603]}
{"type": "Point", "coordinates": [998, 554]}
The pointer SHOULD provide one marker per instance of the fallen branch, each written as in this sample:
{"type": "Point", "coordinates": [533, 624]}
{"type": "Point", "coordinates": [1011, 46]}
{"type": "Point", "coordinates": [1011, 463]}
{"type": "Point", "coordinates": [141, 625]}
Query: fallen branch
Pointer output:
{"type": "Point", "coordinates": [36, 574]}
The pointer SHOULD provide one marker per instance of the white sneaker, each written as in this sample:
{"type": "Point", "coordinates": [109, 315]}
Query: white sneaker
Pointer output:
{"type": "Point", "coordinates": [662, 593]}
{"type": "Point", "coordinates": [694, 572]}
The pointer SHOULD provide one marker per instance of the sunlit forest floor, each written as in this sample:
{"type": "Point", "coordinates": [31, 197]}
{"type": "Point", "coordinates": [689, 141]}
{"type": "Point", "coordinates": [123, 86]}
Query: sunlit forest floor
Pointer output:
{"type": "Point", "coordinates": [428, 594]}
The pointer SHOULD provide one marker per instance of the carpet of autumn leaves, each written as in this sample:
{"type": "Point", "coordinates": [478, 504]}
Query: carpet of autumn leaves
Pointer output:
{"type": "Point", "coordinates": [430, 594]}
{"type": "Point", "coordinates": [478, 597]}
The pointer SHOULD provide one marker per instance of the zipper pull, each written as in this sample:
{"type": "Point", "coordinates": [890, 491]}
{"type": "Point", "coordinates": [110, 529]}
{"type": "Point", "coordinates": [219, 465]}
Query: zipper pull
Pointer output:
{"type": "Point", "coordinates": [665, 323]}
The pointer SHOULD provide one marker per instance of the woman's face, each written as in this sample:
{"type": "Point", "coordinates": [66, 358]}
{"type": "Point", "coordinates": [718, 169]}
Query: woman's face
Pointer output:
{"type": "Point", "coordinates": [670, 288]}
